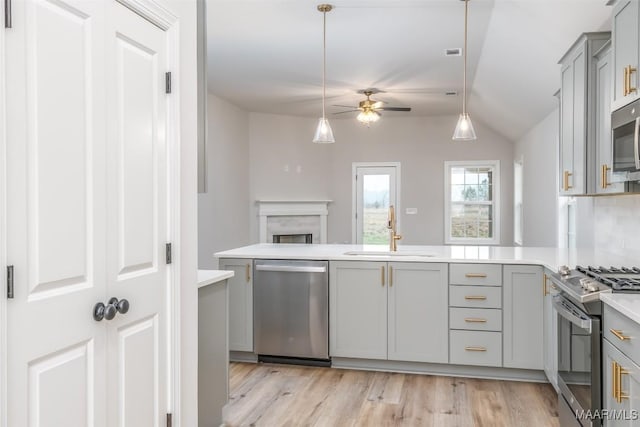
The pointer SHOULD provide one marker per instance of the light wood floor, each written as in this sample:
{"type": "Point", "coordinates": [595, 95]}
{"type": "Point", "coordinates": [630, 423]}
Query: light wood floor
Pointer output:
{"type": "Point", "coordinates": [283, 395]}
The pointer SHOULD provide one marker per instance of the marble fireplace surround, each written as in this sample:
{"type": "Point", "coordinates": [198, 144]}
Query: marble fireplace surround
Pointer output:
{"type": "Point", "coordinates": [292, 217]}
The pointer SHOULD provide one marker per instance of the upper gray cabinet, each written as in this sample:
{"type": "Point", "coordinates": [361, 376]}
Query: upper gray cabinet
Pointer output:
{"type": "Point", "coordinates": [626, 52]}
{"type": "Point", "coordinates": [578, 111]}
{"type": "Point", "coordinates": [601, 180]}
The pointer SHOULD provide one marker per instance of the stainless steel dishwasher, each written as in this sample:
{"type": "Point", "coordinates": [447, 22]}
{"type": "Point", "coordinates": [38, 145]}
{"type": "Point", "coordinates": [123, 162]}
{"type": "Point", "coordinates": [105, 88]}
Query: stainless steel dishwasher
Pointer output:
{"type": "Point", "coordinates": [291, 311]}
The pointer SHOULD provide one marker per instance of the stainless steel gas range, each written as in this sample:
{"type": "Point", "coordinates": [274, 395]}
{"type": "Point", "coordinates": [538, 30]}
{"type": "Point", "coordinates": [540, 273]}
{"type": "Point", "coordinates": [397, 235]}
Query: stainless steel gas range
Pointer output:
{"type": "Point", "coordinates": [579, 315]}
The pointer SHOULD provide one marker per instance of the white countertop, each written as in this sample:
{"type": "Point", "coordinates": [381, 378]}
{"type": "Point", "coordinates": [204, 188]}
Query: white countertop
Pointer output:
{"type": "Point", "coordinates": [551, 258]}
{"type": "Point", "coordinates": [627, 304]}
{"type": "Point", "coordinates": [209, 277]}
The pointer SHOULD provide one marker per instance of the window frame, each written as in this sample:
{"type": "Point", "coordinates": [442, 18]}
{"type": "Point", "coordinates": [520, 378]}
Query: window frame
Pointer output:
{"type": "Point", "coordinates": [497, 224]}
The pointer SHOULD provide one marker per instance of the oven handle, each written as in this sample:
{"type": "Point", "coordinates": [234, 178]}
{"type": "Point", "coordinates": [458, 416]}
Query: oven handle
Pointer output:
{"type": "Point", "coordinates": [636, 141]}
{"type": "Point", "coordinates": [571, 317]}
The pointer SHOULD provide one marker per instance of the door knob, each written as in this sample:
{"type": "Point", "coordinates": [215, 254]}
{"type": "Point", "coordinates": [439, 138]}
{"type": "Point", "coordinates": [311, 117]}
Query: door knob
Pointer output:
{"type": "Point", "coordinates": [122, 306]}
{"type": "Point", "coordinates": [98, 312]}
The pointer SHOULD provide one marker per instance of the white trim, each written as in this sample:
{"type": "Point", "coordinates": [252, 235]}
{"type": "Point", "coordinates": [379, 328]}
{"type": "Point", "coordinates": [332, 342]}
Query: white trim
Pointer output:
{"type": "Point", "coordinates": [152, 12]}
{"type": "Point", "coordinates": [354, 191]}
{"type": "Point", "coordinates": [497, 223]}
{"type": "Point", "coordinates": [3, 232]}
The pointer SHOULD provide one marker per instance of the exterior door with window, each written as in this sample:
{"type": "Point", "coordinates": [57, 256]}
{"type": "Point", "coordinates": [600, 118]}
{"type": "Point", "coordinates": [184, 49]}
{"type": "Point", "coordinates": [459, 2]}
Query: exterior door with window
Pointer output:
{"type": "Point", "coordinates": [87, 215]}
{"type": "Point", "coordinates": [376, 188]}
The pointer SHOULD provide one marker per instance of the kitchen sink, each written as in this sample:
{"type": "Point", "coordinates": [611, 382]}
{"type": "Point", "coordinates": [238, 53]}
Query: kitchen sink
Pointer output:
{"type": "Point", "coordinates": [391, 253]}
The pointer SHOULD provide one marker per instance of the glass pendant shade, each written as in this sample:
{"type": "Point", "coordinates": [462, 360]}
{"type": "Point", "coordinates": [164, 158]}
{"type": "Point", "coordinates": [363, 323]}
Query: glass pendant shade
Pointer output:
{"type": "Point", "coordinates": [464, 129]}
{"type": "Point", "coordinates": [324, 134]}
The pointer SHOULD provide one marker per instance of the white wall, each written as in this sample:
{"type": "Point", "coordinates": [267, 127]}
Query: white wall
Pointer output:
{"type": "Point", "coordinates": [538, 150]}
{"type": "Point", "coordinates": [223, 211]}
{"type": "Point", "coordinates": [420, 144]}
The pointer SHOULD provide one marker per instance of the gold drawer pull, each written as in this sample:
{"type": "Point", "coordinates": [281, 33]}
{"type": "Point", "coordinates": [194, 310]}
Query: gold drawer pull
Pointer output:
{"type": "Point", "coordinates": [614, 379]}
{"type": "Point", "coordinates": [619, 335]}
{"type": "Point", "coordinates": [475, 349]}
{"type": "Point", "coordinates": [248, 274]}
{"type": "Point", "coordinates": [475, 320]}
{"type": "Point", "coordinates": [565, 185]}
{"type": "Point", "coordinates": [475, 275]}
{"type": "Point", "coordinates": [478, 297]}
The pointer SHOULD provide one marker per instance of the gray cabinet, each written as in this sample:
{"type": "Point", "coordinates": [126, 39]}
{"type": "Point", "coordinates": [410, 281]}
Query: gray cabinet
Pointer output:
{"type": "Point", "coordinates": [620, 387]}
{"type": "Point", "coordinates": [240, 288]}
{"type": "Point", "coordinates": [601, 179]}
{"type": "Point", "coordinates": [550, 332]}
{"type": "Point", "coordinates": [577, 111]}
{"type": "Point", "coordinates": [522, 309]}
{"type": "Point", "coordinates": [393, 311]}
{"type": "Point", "coordinates": [626, 52]}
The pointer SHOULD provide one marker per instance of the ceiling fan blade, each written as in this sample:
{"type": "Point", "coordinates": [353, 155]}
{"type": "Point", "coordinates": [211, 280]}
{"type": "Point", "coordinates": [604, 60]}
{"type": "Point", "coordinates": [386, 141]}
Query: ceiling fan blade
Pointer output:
{"type": "Point", "coordinates": [377, 105]}
{"type": "Point", "coordinates": [394, 109]}
{"type": "Point", "coordinates": [348, 111]}
{"type": "Point", "coordinates": [344, 106]}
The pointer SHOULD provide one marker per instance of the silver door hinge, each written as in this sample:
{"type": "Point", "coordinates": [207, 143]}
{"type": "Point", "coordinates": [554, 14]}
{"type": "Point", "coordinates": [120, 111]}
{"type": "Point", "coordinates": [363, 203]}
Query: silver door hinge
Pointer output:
{"type": "Point", "coordinates": [167, 82]}
{"type": "Point", "coordinates": [10, 281]}
{"type": "Point", "coordinates": [169, 420]}
{"type": "Point", "coordinates": [168, 253]}
{"type": "Point", "coordinates": [7, 14]}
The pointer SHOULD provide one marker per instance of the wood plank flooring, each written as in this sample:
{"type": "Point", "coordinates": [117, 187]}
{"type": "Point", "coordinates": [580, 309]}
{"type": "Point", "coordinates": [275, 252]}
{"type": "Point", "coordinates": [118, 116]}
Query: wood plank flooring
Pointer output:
{"type": "Point", "coordinates": [283, 395]}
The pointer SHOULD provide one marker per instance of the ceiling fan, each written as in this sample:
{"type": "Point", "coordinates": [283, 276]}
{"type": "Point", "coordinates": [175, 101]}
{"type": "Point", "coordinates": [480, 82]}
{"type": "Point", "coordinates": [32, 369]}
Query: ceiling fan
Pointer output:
{"type": "Point", "coordinates": [369, 108]}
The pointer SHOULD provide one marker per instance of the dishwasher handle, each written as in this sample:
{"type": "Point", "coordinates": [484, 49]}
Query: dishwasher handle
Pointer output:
{"type": "Point", "coordinates": [291, 268]}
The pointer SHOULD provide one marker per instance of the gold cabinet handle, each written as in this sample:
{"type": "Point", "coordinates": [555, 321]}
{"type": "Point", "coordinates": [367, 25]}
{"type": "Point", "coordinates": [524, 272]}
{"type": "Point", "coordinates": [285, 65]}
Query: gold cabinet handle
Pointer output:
{"type": "Point", "coordinates": [390, 276]}
{"type": "Point", "coordinates": [616, 382]}
{"type": "Point", "coordinates": [631, 89]}
{"type": "Point", "coordinates": [545, 292]}
{"type": "Point", "coordinates": [619, 334]}
{"type": "Point", "coordinates": [625, 79]}
{"type": "Point", "coordinates": [248, 273]}
{"type": "Point", "coordinates": [475, 349]}
{"type": "Point", "coordinates": [603, 180]}
{"type": "Point", "coordinates": [382, 275]}
{"type": "Point", "coordinates": [565, 181]}
{"type": "Point", "coordinates": [475, 275]}
{"type": "Point", "coordinates": [475, 297]}
{"type": "Point", "coordinates": [475, 320]}
{"type": "Point", "coordinates": [614, 379]}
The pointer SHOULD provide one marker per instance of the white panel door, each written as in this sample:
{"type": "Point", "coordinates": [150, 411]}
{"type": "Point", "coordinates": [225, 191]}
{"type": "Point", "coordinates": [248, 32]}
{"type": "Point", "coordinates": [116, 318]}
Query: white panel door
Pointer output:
{"type": "Point", "coordinates": [137, 220]}
{"type": "Point", "coordinates": [87, 215]}
{"type": "Point", "coordinates": [55, 217]}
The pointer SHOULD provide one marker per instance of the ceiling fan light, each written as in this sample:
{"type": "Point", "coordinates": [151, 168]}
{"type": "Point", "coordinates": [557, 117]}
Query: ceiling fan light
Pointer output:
{"type": "Point", "coordinates": [464, 129]}
{"type": "Point", "coordinates": [368, 116]}
{"type": "Point", "coordinates": [324, 134]}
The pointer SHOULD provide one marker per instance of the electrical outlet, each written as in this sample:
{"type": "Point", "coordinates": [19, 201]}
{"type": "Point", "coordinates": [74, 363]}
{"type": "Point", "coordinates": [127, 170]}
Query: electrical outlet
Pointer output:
{"type": "Point", "coordinates": [411, 211]}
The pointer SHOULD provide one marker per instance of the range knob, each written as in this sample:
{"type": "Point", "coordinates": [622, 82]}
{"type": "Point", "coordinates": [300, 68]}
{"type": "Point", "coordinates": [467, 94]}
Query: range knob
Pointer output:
{"type": "Point", "coordinates": [589, 284]}
{"type": "Point", "coordinates": [564, 270]}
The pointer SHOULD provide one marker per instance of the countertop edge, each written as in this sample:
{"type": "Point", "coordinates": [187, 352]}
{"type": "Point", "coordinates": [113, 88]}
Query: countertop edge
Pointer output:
{"type": "Point", "coordinates": [210, 277]}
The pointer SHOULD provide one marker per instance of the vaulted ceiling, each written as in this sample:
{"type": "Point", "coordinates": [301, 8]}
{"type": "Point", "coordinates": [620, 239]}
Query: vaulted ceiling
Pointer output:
{"type": "Point", "coordinates": [266, 55]}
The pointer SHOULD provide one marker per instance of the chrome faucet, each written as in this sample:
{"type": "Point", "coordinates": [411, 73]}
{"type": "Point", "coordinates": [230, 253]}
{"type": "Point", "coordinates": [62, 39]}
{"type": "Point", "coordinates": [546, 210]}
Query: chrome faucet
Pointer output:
{"type": "Point", "coordinates": [393, 235]}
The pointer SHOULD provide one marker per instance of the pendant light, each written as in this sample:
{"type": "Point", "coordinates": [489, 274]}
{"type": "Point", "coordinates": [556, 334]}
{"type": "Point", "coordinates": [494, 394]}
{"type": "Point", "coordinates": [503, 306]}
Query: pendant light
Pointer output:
{"type": "Point", "coordinates": [464, 129]}
{"type": "Point", "coordinates": [324, 134]}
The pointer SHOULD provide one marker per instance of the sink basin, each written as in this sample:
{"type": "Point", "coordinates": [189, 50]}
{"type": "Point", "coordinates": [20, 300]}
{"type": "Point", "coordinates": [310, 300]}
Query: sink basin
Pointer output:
{"type": "Point", "coordinates": [390, 253]}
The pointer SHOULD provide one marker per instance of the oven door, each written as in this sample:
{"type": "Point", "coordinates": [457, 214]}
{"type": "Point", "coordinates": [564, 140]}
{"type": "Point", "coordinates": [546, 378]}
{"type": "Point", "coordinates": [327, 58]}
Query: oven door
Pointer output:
{"type": "Point", "coordinates": [579, 373]}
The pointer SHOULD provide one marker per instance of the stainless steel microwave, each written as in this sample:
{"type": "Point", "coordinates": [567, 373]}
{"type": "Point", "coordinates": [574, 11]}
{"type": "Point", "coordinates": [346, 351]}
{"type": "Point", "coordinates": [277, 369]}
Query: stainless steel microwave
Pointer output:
{"type": "Point", "coordinates": [625, 123]}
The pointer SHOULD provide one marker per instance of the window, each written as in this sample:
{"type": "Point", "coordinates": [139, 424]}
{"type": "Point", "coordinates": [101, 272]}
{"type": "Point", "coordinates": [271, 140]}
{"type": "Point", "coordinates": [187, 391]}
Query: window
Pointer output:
{"type": "Point", "coordinates": [472, 190]}
{"type": "Point", "coordinates": [375, 188]}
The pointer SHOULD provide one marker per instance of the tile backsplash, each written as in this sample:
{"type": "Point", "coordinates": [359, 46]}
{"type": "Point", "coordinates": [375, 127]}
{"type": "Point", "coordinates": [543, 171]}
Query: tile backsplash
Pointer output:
{"type": "Point", "coordinates": [616, 225]}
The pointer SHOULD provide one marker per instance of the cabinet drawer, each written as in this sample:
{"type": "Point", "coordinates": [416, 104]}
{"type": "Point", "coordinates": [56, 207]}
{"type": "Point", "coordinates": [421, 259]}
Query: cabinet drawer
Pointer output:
{"type": "Point", "coordinates": [476, 319]}
{"type": "Point", "coordinates": [475, 297]}
{"type": "Point", "coordinates": [622, 332]}
{"type": "Point", "coordinates": [475, 348]}
{"type": "Point", "coordinates": [475, 274]}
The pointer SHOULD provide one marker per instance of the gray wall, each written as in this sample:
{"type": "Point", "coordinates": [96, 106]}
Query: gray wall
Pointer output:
{"type": "Point", "coordinates": [539, 151]}
{"type": "Point", "coordinates": [420, 144]}
{"type": "Point", "coordinates": [223, 211]}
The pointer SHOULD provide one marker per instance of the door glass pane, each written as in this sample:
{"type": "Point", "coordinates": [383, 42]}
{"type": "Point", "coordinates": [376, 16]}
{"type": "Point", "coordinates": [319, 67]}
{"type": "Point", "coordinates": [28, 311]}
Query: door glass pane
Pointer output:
{"type": "Point", "coordinates": [375, 209]}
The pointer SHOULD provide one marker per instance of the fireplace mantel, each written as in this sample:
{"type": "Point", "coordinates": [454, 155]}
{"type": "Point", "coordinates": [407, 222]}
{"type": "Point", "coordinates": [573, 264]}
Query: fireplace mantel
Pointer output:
{"type": "Point", "coordinates": [273, 208]}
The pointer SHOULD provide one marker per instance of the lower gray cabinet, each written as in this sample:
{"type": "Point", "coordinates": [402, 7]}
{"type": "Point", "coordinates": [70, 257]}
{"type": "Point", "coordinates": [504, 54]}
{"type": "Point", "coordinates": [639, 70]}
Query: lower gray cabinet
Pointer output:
{"type": "Point", "coordinates": [240, 288]}
{"type": "Point", "coordinates": [390, 311]}
{"type": "Point", "coordinates": [523, 292]}
{"type": "Point", "coordinates": [620, 387]}
{"type": "Point", "coordinates": [476, 348]}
